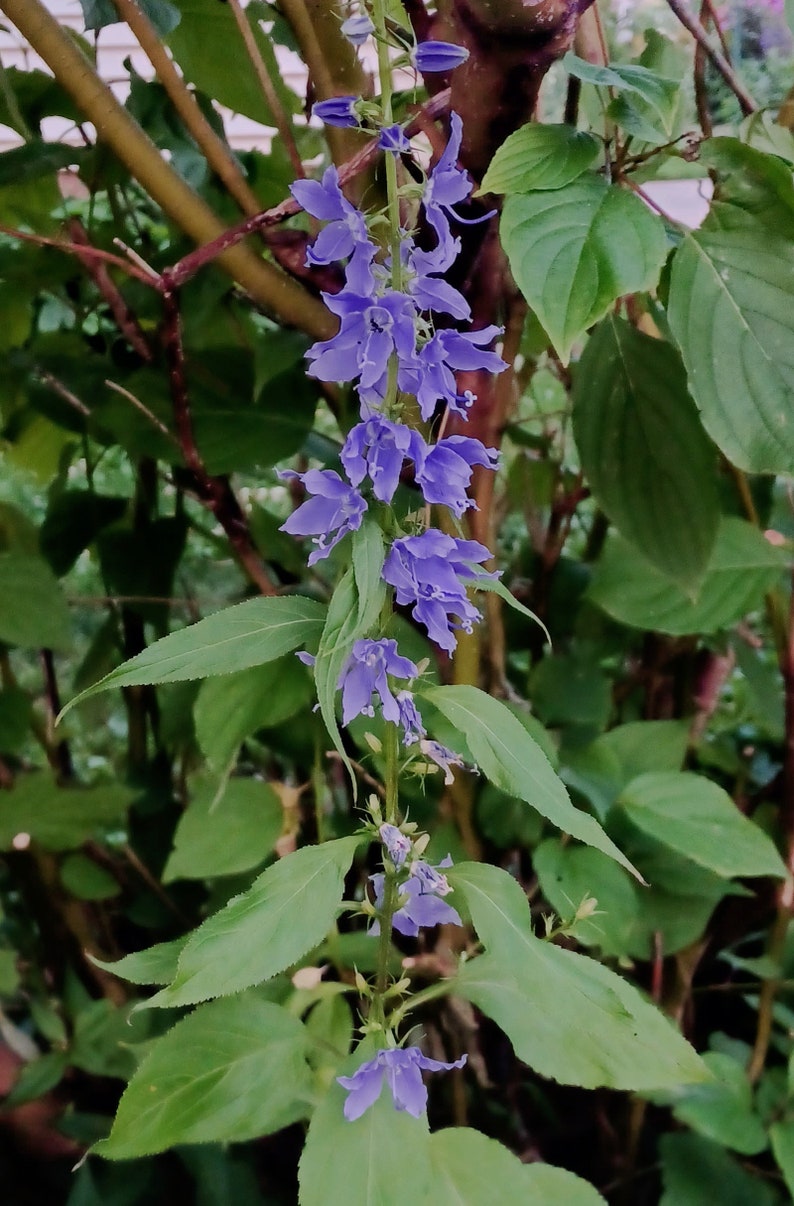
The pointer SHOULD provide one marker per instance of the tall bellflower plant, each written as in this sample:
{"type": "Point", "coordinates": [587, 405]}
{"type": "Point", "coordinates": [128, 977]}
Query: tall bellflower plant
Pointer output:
{"type": "Point", "coordinates": [389, 346]}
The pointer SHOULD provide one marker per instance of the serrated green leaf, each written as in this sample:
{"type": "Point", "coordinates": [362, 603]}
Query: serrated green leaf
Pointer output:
{"type": "Point", "coordinates": [157, 965]}
{"type": "Point", "coordinates": [722, 1110]}
{"type": "Point", "coordinates": [540, 156]}
{"type": "Point", "coordinates": [33, 609]}
{"type": "Point", "coordinates": [287, 911]}
{"type": "Point", "coordinates": [743, 566]}
{"type": "Point", "coordinates": [781, 1136]}
{"type": "Point", "coordinates": [698, 1172]}
{"type": "Point", "coordinates": [698, 818]}
{"type": "Point", "coordinates": [508, 756]}
{"type": "Point", "coordinates": [468, 1166]}
{"type": "Point", "coordinates": [231, 1071]}
{"type": "Point", "coordinates": [752, 180]}
{"type": "Point", "coordinates": [248, 634]}
{"type": "Point", "coordinates": [643, 449]}
{"type": "Point", "coordinates": [567, 1016]}
{"type": "Point", "coordinates": [226, 829]}
{"type": "Point", "coordinates": [657, 96]}
{"type": "Point", "coordinates": [575, 250]}
{"type": "Point", "coordinates": [231, 707]}
{"type": "Point", "coordinates": [730, 312]}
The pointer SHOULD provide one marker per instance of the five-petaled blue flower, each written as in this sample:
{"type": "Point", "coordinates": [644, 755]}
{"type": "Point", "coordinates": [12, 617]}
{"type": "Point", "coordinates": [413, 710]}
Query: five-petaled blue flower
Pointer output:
{"type": "Point", "coordinates": [377, 449]}
{"type": "Point", "coordinates": [430, 571]}
{"type": "Point", "coordinates": [397, 843]}
{"type": "Point", "coordinates": [421, 897]}
{"type": "Point", "coordinates": [444, 473]}
{"type": "Point", "coordinates": [365, 674]}
{"type": "Point", "coordinates": [401, 1068]}
{"type": "Point", "coordinates": [336, 507]}
{"type": "Point", "coordinates": [345, 235]}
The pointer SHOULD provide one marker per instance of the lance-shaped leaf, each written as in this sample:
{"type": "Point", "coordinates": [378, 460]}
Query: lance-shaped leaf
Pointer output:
{"type": "Point", "coordinates": [288, 910]}
{"type": "Point", "coordinates": [699, 819]}
{"type": "Point", "coordinates": [540, 156]}
{"type": "Point", "coordinates": [33, 609]}
{"type": "Point", "coordinates": [567, 1016]}
{"type": "Point", "coordinates": [231, 1071]}
{"type": "Point", "coordinates": [249, 634]}
{"type": "Point", "coordinates": [731, 314]}
{"type": "Point", "coordinates": [515, 763]}
{"type": "Point", "coordinates": [575, 250]}
{"type": "Point", "coordinates": [643, 449]}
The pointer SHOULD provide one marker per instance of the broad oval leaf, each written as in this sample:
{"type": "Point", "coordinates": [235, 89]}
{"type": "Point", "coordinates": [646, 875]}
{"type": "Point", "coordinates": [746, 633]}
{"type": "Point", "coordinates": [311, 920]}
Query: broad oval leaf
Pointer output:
{"type": "Point", "coordinates": [468, 1166]}
{"type": "Point", "coordinates": [231, 1071]}
{"type": "Point", "coordinates": [540, 157]}
{"type": "Point", "coordinates": [33, 609]}
{"type": "Point", "coordinates": [226, 829]}
{"type": "Point", "coordinates": [248, 634]}
{"type": "Point", "coordinates": [731, 314]}
{"type": "Point", "coordinates": [743, 566]}
{"type": "Point", "coordinates": [722, 1109]}
{"type": "Point", "coordinates": [698, 818]}
{"type": "Point", "coordinates": [643, 449]}
{"type": "Point", "coordinates": [567, 1016]}
{"type": "Point", "coordinates": [575, 250]}
{"type": "Point", "coordinates": [288, 910]}
{"type": "Point", "coordinates": [699, 1172]}
{"type": "Point", "coordinates": [515, 763]}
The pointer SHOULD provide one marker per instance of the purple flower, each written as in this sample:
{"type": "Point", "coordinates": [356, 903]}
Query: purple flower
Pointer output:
{"type": "Point", "coordinates": [345, 235]}
{"type": "Point", "coordinates": [443, 758]}
{"type": "Point", "coordinates": [337, 111]}
{"type": "Point", "coordinates": [411, 721]}
{"type": "Point", "coordinates": [446, 186]}
{"type": "Point", "coordinates": [422, 903]}
{"type": "Point", "coordinates": [357, 29]}
{"type": "Point", "coordinates": [444, 474]}
{"type": "Point", "coordinates": [377, 448]}
{"type": "Point", "coordinates": [364, 675]}
{"type": "Point", "coordinates": [336, 507]}
{"type": "Point", "coordinates": [392, 138]}
{"type": "Point", "coordinates": [398, 845]}
{"type": "Point", "coordinates": [449, 350]}
{"type": "Point", "coordinates": [369, 332]}
{"type": "Point", "coordinates": [401, 1068]}
{"type": "Point", "coordinates": [430, 57]}
{"type": "Point", "coordinates": [430, 571]}
{"type": "Point", "coordinates": [422, 283]}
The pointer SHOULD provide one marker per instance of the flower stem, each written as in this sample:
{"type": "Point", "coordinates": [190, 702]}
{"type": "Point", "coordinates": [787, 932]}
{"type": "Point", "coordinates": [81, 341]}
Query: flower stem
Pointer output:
{"type": "Point", "coordinates": [390, 886]}
{"type": "Point", "coordinates": [386, 92]}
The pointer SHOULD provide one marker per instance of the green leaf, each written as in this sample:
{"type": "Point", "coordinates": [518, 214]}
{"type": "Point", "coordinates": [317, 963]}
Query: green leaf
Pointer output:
{"type": "Point", "coordinates": [756, 182]}
{"type": "Point", "coordinates": [722, 1109]}
{"type": "Point", "coordinates": [468, 1167]}
{"type": "Point", "coordinates": [60, 818]}
{"type": "Point", "coordinates": [287, 911]}
{"type": "Point", "coordinates": [205, 26]}
{"type": "Point", "coordinates": [352, 613]}
{"type": "Point", "coordinates": [231, 1071]}
{"type": "Point", "coordinates": [87, 880]}
{"type": "Point", "coordinates": [157, 965]}
{"type": "Point", "coordinates": [566, 689]}
{"type": "Point", "coordinates": [36, 1078]}
{"type": "Point", "coordinates": [33, 609]}
{"type": "Point", "coordinates": [225, 830]}
{"type": "Point", "coordinates": [643, 449]}
{"type": "Point", "coordinates": [97, 14]}
{"type": "Point", "coordinates": [575, 250]}
{"type": "Point", "coordinates": [497, 587]}
{"type": "Point", "coordinates": [743, 566]}
{"type": "Point", "coordinates": [508, 756]}
{"type": "Point", "coordinates": [699, 819]}
{"type": "Point", "coordinates": [567, 1016]}
{"type": "Point", "coordinates": [73, 521]}
{"type": "Point", "coordinates": [540, 157]}
{"type": "Point", "coordinates": [248, 634]}
{"type": "Point", "coordinates": [697, 1172]}
{"type": "Point", "coordinates": [652, 107]}
{"type": "Point", "coordinates": [730, 312]}
{"type": "Point", "coordinates": [16, 712]}
{"type": "Point", "coordinates": [375, 1151]}
{"type": "Point", "coordinates": [231, 707]}
{"type": "Point", "coordinates": [781, 1136]}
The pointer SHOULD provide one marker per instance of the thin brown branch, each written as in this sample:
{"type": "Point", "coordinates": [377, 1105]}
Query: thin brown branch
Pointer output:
{"type": "Point", "coordinates": [746, 102]}
{"type": "Point", "coordinates": [97, 270]}
{"type": "Point", "coordinates": [215, 493]}
{"type": "Point", "coordinates": [280, 115]}
{"type": "Point", "coordinates": [144, 410]}
{"type": "Point", "coordinates": [699, 79]}
{"type": "Point", "coordinates": [62, 753]}
{"type": "Point", "coordinates": [65, 393]}
{"type": "Point", "coordinates": [84, 253]}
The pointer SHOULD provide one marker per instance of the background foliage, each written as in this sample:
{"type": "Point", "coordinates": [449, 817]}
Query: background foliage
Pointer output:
{"type": "Point", "coordinates": [642, 511]}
